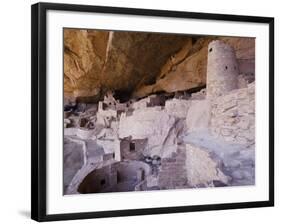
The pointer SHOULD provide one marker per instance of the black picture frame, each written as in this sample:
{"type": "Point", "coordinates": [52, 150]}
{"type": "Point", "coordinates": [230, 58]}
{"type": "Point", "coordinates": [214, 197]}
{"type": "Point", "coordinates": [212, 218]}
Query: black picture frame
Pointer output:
{"type": "Point", "coordinates": [39, 122]}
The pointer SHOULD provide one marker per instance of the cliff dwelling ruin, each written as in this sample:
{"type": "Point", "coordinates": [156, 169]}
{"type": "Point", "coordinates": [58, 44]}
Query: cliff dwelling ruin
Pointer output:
{"type": "Point", "coordinates": [149, 111]}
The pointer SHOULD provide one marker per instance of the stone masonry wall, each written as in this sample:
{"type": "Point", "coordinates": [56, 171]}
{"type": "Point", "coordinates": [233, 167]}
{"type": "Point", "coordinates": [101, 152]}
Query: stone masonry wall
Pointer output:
{"type": "Point", "coordinates": [127, 153]}
{"type": "Point", "coordinates": [173, 174]}
{"type": "Point", "coordinates": [233, 116]}
{"type": "Point", "coordinates": [177, 107]}
{"type": "Point", "coordinates": [222, 69]}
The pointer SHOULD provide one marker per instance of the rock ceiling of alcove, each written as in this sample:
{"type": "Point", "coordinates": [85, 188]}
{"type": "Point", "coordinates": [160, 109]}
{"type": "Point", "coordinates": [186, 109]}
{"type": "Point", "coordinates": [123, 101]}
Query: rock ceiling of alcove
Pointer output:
{"type": "Point", "coordinates": [136, 63]}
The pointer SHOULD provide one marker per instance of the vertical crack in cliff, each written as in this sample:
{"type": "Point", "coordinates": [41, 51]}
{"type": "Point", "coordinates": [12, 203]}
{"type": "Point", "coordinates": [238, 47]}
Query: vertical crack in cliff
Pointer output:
{"type": "Point", "coordinates": [108, 46]}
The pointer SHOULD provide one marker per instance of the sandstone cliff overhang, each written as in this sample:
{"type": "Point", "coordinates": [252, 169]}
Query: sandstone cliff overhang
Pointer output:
{"type": "Point", "coordinates": [137, 64]}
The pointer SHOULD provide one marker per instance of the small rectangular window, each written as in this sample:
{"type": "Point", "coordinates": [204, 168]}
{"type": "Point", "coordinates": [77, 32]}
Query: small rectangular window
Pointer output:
{"type": "Point", "coordinates": [102, 182]}
{"type": "Point", "coordinates": [132, 146]}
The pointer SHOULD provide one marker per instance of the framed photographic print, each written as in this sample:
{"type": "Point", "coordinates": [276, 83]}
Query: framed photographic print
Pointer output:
{"type": "Point", "coordinates": [139, 111]}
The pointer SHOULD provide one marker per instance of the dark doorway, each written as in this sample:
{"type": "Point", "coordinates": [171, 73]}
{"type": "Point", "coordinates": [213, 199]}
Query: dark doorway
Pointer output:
{"type": "Point", "coordinates": [132, 147]}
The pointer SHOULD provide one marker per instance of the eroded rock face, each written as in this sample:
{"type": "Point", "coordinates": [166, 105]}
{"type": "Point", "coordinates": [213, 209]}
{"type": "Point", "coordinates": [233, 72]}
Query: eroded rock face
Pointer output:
{"type": "Point", "coordinates": [245, 53]}
{"type": "Point", "coordinates": [84, 57]}
{"type": "Point", "coordinates": [234, 161]}
{"type": "Point", "coordinates": [136, 58]}
{"type": "Point", "coordinates": [187, 69]}
{"type": "Point", "coordinates": [139, 64]}
{"type": "Point", "coordinates": [73, 160]}
{"type": "Point", "coordinates": [97, 61]}
{"type": "Point", "coordinates": [202, 170]}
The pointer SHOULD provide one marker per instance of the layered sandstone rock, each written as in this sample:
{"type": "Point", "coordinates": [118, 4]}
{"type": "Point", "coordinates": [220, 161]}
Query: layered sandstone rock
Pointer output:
{"type": "Point", "coordinates": [186, 70]}
{"type": "Point", "coordinates": [245, 52]}
{"type": "Point", "coordinates": [84, 57]}
{"type": "Point", "coordinates": [139, 64]}
{"type": "Point", "coordinates": [98, 61]}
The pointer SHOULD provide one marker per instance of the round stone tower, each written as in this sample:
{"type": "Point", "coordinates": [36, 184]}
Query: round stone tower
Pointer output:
{"type": "Point", "coordinates": [222, 69]}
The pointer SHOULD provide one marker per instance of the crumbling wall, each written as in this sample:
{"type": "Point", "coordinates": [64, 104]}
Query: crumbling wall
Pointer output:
{"type": "Point", "coordinates": [233, 116]}
{"type": "Point", "coordinates": [177, 107]}
{"type": "Point", "coordinates": [155, 125]}
{"type": "Point", "coordinates": [172, 172]}
{"type": "Point", "coordinates": [140, 104]}
{"type": "Point", "coordinates": [73, 160]}
{"type": "Point", "coordinates": [105, 116]}
{"type": "Point", "coordinates": [222, 69]}
{"type": "Point", "coordinates": [109, 146]}
{"type": "Point", "coordinates": [132, 149]}
{"type": "Point", "coordinates": [129, 171]}
{"type": "Point", "coordinates": [99, 180]}
{"type": "Point", "coordinates": [150, 101]}
{"type": "Point", "coordinates": [116, 177]}
{"type": "Point", "coordinates": [156, 100]}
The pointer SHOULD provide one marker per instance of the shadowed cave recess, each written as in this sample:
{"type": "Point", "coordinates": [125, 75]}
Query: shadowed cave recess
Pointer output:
{"type": "Point", "coordinates": [151, 111]}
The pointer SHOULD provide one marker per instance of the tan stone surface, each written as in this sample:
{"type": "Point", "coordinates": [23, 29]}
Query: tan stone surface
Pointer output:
{"type": "Point", "coordinates": [187, 69]}
{"type": "Point", "coordinates": [83, 61]}
{"type": "Point", "coordinates": [97, 61]}
{"type": "Point", "coordinates": [140, 63]}
{"type": "Point", "coordinates": [181, 72]}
